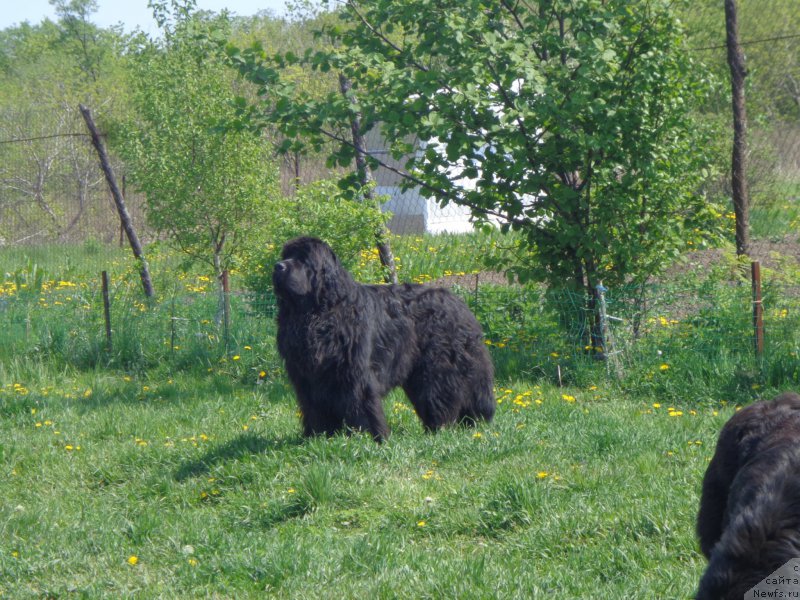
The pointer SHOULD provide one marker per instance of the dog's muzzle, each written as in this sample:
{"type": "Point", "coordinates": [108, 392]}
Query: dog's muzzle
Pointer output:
{"type": "Point", "coordinates": [279, 273]}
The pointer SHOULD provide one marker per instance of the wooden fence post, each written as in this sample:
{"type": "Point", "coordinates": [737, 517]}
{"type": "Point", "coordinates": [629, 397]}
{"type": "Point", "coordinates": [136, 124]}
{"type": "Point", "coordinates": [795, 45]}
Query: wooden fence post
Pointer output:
{"type": "Point", "coordinates": [758, 308]}
{"type": "Point", "coordinates": [107, 309]}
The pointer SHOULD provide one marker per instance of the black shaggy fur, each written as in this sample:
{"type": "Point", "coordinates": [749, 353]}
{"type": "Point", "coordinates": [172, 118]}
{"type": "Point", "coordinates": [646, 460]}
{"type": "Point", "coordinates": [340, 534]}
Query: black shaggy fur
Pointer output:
{"type": "Point", "coordinates": [346, 345]}
{"type": "Point", "coordinates": [749, 518]}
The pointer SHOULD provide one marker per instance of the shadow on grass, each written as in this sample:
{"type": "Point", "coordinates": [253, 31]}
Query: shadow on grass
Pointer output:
{"type": "Point", "coordinates": [244, 445]}
{"type": "Point", "coordinates": [109, 391]}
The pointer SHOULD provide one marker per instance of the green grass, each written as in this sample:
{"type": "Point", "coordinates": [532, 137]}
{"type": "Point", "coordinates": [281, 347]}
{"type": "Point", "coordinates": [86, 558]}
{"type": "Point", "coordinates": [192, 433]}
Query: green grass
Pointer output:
{"type": "Point", "coordinates": [179, 450]}
{"type": "Point", "coordinates": [210, 486]}
{"type": "Point", "coordinates": [775, 212]}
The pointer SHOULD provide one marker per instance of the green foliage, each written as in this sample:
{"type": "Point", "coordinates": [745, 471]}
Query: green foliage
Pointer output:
{"type": "Point", "coordinates": [322, 210]}
{"type": "Point", "coordinates": [570, 122]}
{"type": "Point", "coordinates": [208, 186]}
{"type": "Point", "coordinates": [48, 186]}
{"type": "Point", "coordinates": [775, 213]}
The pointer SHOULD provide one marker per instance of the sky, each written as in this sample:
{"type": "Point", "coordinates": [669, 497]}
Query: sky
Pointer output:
{"type": "Point", "coordinates": [131, 13]}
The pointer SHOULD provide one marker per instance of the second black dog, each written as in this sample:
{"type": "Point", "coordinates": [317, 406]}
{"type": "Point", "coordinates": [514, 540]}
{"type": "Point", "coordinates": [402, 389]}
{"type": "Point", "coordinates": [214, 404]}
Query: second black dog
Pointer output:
{"type": "Point", "coordinates": [749, 518]}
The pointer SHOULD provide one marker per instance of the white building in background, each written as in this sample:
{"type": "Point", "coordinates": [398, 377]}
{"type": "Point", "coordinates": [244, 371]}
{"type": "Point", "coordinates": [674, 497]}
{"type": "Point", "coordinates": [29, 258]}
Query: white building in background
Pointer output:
{"type": "Point", "coordinates": [411, 211]}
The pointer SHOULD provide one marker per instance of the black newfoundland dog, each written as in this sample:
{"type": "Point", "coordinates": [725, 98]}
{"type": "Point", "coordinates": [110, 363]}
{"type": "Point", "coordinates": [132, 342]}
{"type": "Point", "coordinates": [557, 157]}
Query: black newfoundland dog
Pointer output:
{"type": "Point", "coordinates": [749, 518]}
{"type": "Point", "coordinates": [346, 345]}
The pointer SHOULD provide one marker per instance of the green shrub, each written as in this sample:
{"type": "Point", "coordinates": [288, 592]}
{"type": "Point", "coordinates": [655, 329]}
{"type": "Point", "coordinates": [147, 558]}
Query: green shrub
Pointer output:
{"type": "Point", "coordinates": [319, 209]}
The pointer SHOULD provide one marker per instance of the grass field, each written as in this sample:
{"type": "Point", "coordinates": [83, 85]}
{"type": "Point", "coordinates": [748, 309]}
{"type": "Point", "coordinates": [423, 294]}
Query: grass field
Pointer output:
{"type": "Point", "coordinates": [172, 466]}
{"type": "Point", "coordinates": [118, 486]}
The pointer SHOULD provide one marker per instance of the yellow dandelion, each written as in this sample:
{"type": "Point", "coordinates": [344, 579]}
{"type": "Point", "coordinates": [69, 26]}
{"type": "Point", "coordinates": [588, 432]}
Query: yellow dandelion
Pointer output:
{"type": "Point", "coordinates": [656, 405]}
{"type": "Point", "coordinates": [421, 523]}
{"type": "Point", "coordinates": [664, 367]}
{"type": "Point", "coordinates": [542, 474]}
{"type": "Point", "coordinates": [567, 398]}
{"type": "Point", "coordinates": [133, 560]}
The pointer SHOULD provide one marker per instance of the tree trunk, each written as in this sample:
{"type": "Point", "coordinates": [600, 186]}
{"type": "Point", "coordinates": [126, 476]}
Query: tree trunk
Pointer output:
{"type": "Point", "coordinates": [367, 182]}
{"type": "Point", "coordinates": [741, 201]}
{"type": "Point", "coordinates": [124, 216]}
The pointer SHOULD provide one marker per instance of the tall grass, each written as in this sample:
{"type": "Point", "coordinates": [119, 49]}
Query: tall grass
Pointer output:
{"type": "Point", "coordinates": [693, 336]}
{"type": "Point", "coordinates": [776, 212]}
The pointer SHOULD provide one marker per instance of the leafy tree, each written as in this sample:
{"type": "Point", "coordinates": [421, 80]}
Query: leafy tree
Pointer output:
{"type": "Point", "coordinates": [291, 36]}
{"type": "Point", "coordinates": [567, 121]}
{"type": "Point", "coordinates": [207, 186]}
{"type": "Point", "coordinates": [49, 186]}
{"type": "Point", "coordinates": [79, 36]}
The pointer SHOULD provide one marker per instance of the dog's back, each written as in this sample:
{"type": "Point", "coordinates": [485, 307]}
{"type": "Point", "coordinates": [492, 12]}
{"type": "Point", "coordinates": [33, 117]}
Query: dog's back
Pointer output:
{"type": "Point", "coordinates": [749, 518]}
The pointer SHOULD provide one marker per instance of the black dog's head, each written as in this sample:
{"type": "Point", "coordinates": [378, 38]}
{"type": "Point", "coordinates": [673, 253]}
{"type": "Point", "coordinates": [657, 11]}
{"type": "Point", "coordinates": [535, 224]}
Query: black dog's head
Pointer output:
{"type": "Point", "coordinates": [308, 274]}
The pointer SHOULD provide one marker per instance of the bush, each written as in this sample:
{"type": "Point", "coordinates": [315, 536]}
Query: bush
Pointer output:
{"type": "Point", "coordinates": [321, 210]}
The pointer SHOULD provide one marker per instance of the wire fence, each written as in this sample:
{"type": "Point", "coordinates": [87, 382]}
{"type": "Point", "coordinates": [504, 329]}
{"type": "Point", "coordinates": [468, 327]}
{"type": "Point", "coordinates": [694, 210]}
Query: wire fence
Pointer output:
{"type": "Point", "coordinates": [690, 334]}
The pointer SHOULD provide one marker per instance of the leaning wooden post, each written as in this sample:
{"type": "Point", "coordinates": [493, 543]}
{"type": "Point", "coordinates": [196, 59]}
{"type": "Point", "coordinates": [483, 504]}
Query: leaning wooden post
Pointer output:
{"type": "Point", "coordinates": [107, 309]}
{"type": "Point", "coordinates": [758, 308]}
{"type": "Point", "coordinates": [124, 216]}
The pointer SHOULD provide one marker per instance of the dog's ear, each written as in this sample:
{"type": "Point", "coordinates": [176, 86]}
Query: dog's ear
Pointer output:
{"type": "Point", "coordinates": [332, 279]}
{"type": "Point", "coordinates": [332, 276]}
